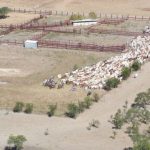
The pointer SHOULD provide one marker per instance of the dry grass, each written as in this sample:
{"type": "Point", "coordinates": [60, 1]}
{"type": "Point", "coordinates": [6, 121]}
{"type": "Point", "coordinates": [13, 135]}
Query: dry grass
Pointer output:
{"type": "Point", "coordinates": [128, 25]}
{"type": "Point", "coordinates": [20, 35]}
{"type": "Point", "coordinates": [37, 65]}
{"type": "Point", "coordinates": [104, 6]}
{"type": "Point", "coordinates": [100, 39]}
{"type": "Point", "coordinates": [17, 18]}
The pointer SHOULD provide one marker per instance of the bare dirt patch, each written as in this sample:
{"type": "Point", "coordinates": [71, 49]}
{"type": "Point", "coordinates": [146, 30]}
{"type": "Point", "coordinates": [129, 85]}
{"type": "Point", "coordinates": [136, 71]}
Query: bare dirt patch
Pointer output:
{"type": "Point", "coordinates": [9, 72]}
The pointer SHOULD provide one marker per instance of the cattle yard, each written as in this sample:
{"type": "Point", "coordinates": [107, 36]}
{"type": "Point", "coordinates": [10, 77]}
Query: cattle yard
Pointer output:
{"type": "Point", "coordinates": [56, 35]}
{"type": "Point", "coordinates": [55, 30]}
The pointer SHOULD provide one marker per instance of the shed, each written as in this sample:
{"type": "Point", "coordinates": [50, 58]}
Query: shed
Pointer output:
{"type": "Point", "coordinates": [31, 44]}
{"type": "Point", "coordinates": [84, 22]}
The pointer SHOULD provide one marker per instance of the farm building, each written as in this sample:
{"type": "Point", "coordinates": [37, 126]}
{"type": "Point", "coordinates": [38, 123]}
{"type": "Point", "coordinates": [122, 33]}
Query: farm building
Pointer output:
{"type": "Point", "coordinates": [84, 22]}
{"type": "Point", "coordinates": [31, 44]}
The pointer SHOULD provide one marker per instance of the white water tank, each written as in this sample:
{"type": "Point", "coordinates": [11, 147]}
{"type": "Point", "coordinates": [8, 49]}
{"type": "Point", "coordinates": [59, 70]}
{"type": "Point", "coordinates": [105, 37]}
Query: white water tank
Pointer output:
{"type": "Point", "coordinates": [31, 44]}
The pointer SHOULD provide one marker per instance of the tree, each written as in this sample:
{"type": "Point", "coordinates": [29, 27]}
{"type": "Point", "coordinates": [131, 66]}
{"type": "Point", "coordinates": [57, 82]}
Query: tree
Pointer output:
{"type": "Point", "coordinates": [142, 99]}
{"type": "Point", "coordinates": [76, 17]}
{"type": "Point", "coordinates": [52, 109]}
{"type": "Point", "coordinates": [4, 11]}
{"type": "Point", "coordinates": [29, 108]}
{"type": "Point", "coordinates": [143, 144]}
{"type": "Point", "coordinates": [136, 65]}
{"type": "Point", "coordinates": [118, 120]}
{"type": "Point", "coordinates": [18, 107]}
{"type": "Point", "coordinates": [87, 102]}
{"type": "Point", "coordinates": [72, 110]}
{"type": "Point", "coordinates": [92, 15]}
{"type": "Point", "coordinates": [125, 73]}
{"type": "Point", "coordinates": [96, 97]}
{"type": "Point", "coordinates": [111, 83]}
{"type": "Point", "coordinates": [16, 141]}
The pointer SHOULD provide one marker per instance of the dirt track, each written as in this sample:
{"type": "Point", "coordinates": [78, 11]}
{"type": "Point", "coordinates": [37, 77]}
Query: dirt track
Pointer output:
{"type": "Point", "coordinates": [72, 134]}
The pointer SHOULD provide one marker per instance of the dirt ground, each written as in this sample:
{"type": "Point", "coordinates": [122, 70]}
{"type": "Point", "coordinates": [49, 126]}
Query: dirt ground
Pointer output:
{"type": "Point", "coordinates": [17, 18]}
{"type": "Point", "coordinates": [103, 6]}
{"type": "Point", "coordinates": [20, 35]}
{"type": "Point", "coordinates": [32, 67]}
{"type": "Point", "coordinates": [128, 25]}
{"type": "Point", "coordinates": [65, 133]}
{"type": "Point", "coordinates": [100, 39]}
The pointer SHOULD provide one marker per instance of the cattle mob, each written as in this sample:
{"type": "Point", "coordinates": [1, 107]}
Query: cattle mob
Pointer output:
{"type": "Point", "coordinates": [95, 76]}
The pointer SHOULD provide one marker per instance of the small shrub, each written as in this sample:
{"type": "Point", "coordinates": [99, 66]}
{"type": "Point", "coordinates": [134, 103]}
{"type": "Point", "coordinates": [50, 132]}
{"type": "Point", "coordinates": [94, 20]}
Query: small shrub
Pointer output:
{"type": "Point", "coordinates": [111, 83]}
{"type": "Point", "coordinates": [76, 17]}
{"type": "Point", "coordinates": [92, 15]}
{"type": "Point", "coordinates": [18, 107]}
{"type": "Point", "coordinates": [81, 106]}
{"type": "Point", "coordinates": [142, 99]}
{"type": "Point", "coordinates": [52, 109]}
{"type": "Point", "coordinates": [143, 144]}
{"type": "Point", "coordinates": [114, 135]}
{"type": "Point", "coordinates": [75, 67]}
{"type": "Point", "coordinates": [72, 110]}
{"type": "Point", "coordinates": [4, 11]}
{"type": "Point", "coordinates": [28, 108]}
{"type": "Point", "coordinates": [16, 141]}
{"type": "Point", "coordinates": [96, 97]}
{"type": "Point", "coordinates": [118, 120]}
{"type": "Point", "coordinates": [125, 73]}
{"type": "Point", "coordinates": [93, 123]}
{"type": "Point", "coordinates": [87, 102]}
{"type": "Point", "coordinates": [136, 65]}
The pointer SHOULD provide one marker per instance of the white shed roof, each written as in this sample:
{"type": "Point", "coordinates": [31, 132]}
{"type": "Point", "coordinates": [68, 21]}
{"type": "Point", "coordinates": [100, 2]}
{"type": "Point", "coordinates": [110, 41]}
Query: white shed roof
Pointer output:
{"type": "Point", "coordinates": [30, 41]}
{"type": "Point", "coordinates": [85, 20]}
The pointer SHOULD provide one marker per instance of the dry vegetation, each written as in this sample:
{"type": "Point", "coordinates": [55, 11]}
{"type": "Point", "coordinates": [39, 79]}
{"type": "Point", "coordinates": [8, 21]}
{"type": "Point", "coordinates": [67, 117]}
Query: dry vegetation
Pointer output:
{"type": "Point", "coordinates": [107, 6]}
{"type": "Point", "coordinates": [17, 18]}
{"type": "Point", "coordinates": [36, 65]}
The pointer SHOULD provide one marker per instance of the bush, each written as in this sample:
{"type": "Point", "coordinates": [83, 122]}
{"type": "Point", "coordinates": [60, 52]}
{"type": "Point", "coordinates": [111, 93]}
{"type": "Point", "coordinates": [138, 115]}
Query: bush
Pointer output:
{"type": "Point", "coordinates": [18, 107]}
{"type": "Point", "coordinates": [52, 109]}
{"type": "Point", "coordinates": [75, 67]}
{"type": "Point", "coordinates": [136, 65]}
{"type": "Point", "coordinates": [118, 120]}
{"type": "Point", "coordinates": [16, 141]}
{"type": "Point", "coordinates": [76, 17]}
{"type": "Point", "coordinates": [111, 83]}
{"type": "Point", "coordinates": [143, 144]}
{"type": "Point", "coordinates": [81, 106]}
{"type": "Point", "coordinates": [142, 99]}
{"type": "Point", "coordinates": [87, 102]}
{"type": "Point", "coordinates": [96, 97]}
{"type": "Point", "coordinates": [72, 110]}
{"type": "Point", "coordinates": [28, 108]}
{"type": "Point", "coordinates": [4, 11]}
{"type": "Point", "coordinates": [92, 15]}
{"type": "Point", "coordinates": [125, 73]}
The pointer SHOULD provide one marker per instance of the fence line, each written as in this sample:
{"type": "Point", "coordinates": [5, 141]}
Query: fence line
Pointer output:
{"type": "Point", "coordinates": [82, 46]}
{"type": "Point", "coordinates": [100, 15]}
{"type": "Point", "coordinates": [51, 28]}
{"type": "Point", "coordinates": [70, 45]}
